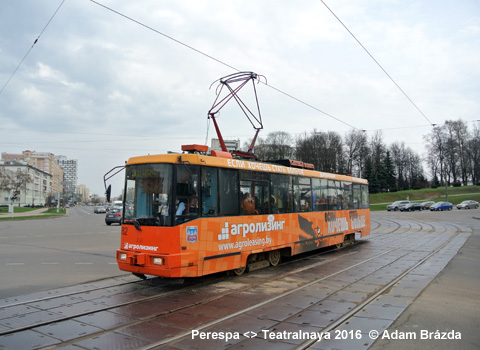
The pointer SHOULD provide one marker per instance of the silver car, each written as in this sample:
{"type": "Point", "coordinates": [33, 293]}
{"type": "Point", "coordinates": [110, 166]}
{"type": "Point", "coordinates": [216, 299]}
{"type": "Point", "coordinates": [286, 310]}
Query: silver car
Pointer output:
{"type": "Point", "coordinates": [99, 209]}
{"type": "Point", "coordinates": [468, 205]}
{"type": "Point", "coordinates": [397, 205]}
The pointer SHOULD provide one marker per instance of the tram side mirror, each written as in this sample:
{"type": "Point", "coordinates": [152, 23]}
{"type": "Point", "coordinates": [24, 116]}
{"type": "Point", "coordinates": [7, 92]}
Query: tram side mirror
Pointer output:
{"type": "Point", "coordinates": [108, 192]}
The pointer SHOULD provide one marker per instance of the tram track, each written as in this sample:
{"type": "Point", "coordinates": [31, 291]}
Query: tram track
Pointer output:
{"type": "Point", "coordinates": [60, 299]}
{"type": "Point", "coordinates": [194, 283]}
{"type": "Point", "coordinates": [244, 284]}
{"type": "Point", "coordinates": [315, 282]}
{"type": "Point", "coordinates": [369, 300]}
{"type": "Point", "coordinates": [32, 303]}
{"type": "Point", "coordinates": [67, 294]}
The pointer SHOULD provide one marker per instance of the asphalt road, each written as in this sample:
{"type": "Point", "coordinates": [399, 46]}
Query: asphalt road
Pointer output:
{"type": "Point", "coordinates": [43, 254]}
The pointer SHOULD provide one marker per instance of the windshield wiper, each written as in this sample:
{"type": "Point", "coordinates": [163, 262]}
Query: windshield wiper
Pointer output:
{"type": "Point", "coordinates": [136, 224]}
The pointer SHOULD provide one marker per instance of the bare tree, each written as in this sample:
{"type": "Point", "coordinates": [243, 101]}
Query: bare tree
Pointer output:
{"type": "Point", "coordinates": [323, 149]}
{"type": "Point", "coordinates": [277, 145]}
{"type": "Point", "coordinates": [6, 179]}
{"type": "Point", "coordinates": [356, 151]}
{"type": "Point", "coordinates": [458, 137]}
{"type": "Point", "coordinates": [436, 148]}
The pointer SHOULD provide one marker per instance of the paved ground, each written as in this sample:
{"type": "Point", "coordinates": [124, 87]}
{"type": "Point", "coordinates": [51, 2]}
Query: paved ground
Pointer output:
{"type": "Point", "coordinates": [450, 302]}
{"type": "Point", "coordinates": [447, 305]}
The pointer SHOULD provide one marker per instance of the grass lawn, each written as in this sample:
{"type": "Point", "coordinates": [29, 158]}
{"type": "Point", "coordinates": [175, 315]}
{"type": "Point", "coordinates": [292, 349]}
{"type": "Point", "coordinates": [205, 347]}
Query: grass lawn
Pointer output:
{"type": "Point", "coordinates": [17, 210]}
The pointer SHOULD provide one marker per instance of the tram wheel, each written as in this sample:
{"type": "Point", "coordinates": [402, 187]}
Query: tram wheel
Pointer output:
{"type": "Point", "coordinates": [274, 257]}
{"type": "Point", "coordinates": [240, 270]}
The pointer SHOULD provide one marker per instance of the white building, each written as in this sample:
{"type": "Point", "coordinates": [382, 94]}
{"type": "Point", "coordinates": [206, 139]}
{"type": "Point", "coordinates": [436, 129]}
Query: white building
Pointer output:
{"type": "Point", "coordinates": [232, 145]}
{"type": "Point", "coordinates": [83, 193]}
{"type": "Point", "coordinates": [34, 185]}
{"type": "Point", "coordinates": [70, 173]}
{"type": "Point", "coordinates": [40, 160]}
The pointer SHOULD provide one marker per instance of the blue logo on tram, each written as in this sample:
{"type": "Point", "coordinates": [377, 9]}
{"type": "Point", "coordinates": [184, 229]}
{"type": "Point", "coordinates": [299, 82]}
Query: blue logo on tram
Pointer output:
{"type": "Point", "coordinates": [192, 233]}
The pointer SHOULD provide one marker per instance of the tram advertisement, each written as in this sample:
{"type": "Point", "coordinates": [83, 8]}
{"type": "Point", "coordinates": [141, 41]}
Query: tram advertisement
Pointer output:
{"type": "Point", "coordinates": [306, 230]}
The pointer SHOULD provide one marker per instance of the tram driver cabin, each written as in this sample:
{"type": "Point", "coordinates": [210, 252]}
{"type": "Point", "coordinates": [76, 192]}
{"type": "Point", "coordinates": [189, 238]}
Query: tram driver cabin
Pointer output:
{"type": "Point", "coordinates": [192, 214]}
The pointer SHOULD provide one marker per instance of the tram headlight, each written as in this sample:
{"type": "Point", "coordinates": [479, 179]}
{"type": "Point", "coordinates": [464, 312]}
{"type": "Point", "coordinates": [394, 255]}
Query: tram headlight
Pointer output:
{"type": "Point", "coordinates": [122, 256]}
{"type": "Point", "coordinates": [157, 261]}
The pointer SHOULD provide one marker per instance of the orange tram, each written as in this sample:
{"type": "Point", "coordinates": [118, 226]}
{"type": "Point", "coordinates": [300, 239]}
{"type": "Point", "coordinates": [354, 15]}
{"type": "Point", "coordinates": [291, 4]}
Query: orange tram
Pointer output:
{"type": "Point", "coordinates": [193, 214]}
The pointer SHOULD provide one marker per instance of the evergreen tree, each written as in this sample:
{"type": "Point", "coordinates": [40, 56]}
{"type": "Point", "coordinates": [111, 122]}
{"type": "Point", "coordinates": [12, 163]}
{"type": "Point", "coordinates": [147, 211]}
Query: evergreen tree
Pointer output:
{"type": "Point", "coordinates": [390, 178]}
{"type": "Point", "coordinates": [370, 175]}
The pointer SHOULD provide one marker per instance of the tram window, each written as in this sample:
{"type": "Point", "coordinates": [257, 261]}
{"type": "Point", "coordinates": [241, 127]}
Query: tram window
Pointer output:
{"type": "Point", "coordinates": [229, 201]}
{"type": "Point", "coordinates": [187, 191]}
{"type": "Point", "coordinates": [357, 193]}
{"type": "Point", "coordinates": [262, 197]}
{"type": "Point", "coordinates": [281, 198]}
{"type": "Point", "coordinates": [360, 196]}
{"type": "Point", "coordinates": [302, 194]}
{"type": "Point", "coordinates": [320, 194]}
{"type": "Point", "coordinates": [254, 193]}
{"type": "Point", "coordinates": [364, 197]}
{"type": "Point", "coordinates": [209, 191]}
{"type": "Point", "coordinates": [347, 200]}
{"type": "Point", "coordinates": [334, 190]}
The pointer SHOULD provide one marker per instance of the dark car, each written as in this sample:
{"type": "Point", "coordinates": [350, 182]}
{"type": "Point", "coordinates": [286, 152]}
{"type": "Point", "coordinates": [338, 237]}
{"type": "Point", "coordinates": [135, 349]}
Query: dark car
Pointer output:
{"type": "Point", "coordinates": [113, 216]}
{"type": "Point", "coordinates": [468, 205]}
{"type": "Point", "coordinates": [427, 205]}
{"type": "Point", "coordinates": [411, 207]}
{"type": "Point", "coordinates": [397, 205]}
{"type": "Point", "coordinates": [441, 206]}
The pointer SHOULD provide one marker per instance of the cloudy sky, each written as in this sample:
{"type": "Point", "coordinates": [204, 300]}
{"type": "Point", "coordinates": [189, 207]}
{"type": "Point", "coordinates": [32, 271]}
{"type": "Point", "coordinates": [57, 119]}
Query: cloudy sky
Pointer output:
{"type": "Point", "coordinates": [105, 83]}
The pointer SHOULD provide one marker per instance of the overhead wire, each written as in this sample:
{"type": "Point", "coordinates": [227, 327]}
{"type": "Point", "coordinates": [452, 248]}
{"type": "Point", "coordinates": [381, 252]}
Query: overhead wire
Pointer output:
{"type": "Point", "coordinates": [378, 64]}
{"type": "Point", "coordinates": [228, 65]}
{"type": "Point", "coordinates": [31, 47]}
{"type": "Point", "coordinates": [163, 34]}
{"type": "Point", "coordinates": [272, 87]}
{"type": "Point", "coordinates": [219, 61]}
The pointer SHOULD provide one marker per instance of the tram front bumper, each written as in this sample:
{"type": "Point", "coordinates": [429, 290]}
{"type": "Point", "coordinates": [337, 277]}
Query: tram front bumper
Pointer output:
{"type": "Point", "coordinates": [164, 265]}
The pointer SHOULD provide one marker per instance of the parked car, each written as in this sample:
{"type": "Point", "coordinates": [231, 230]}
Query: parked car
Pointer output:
{"type": "Point", "coordinates": [468, 205]}
{"type": "Point", "coordinates": [99, 209]}
{"type": "Point", "coordinates": [427, 205]}
{"type": "Point", "coordinates": [411, 207]}
{"type": "Point", "coordinates": [440, 206]}
{"type": "Point", "coordinates": [396, 205]}
{"type": "Point", "coordinates": [114, 216]}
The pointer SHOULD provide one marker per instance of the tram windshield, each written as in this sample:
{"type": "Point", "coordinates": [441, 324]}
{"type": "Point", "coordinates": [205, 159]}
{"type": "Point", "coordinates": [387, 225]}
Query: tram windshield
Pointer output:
{"type": "Point", "coordinates": [148, 194]}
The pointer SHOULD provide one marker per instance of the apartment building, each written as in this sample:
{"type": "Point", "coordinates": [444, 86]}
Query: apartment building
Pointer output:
{"type": "Point", "coordinates": [32, 184]}
{"type": "Point", "coordinates": [41, 160]}
{"type": "Point", "coordinates": [70, 175]}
